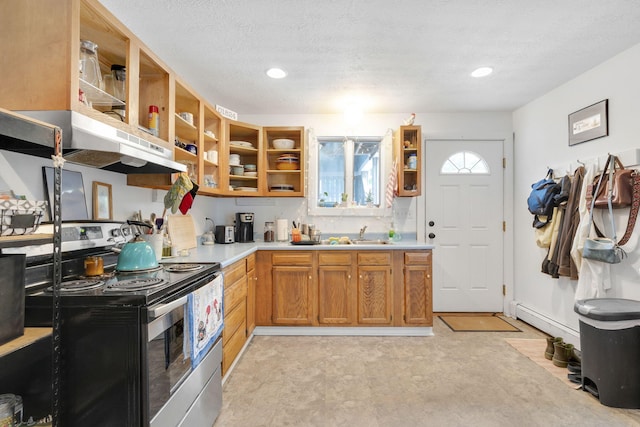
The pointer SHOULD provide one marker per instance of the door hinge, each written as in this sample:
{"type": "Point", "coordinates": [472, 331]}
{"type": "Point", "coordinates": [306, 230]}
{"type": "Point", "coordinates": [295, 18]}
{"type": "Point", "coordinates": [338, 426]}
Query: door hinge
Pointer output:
{"type": "Point", "coordinates": [504, 290]}
{"type": "Point", "coordinates": [504, 163]}
{"type": "Point", "coordinates": [504, 226]}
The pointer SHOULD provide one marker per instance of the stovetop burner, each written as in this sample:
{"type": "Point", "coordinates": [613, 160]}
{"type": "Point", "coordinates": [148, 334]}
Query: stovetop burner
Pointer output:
{"type": "Point", "coordinates": [183, 268]}
{"type": "Point", "coordinates": [136, 284]}
{"type": "Point", "coordinates": [80, 285]}
{"type": "Point", "coordinates": [140, 271]}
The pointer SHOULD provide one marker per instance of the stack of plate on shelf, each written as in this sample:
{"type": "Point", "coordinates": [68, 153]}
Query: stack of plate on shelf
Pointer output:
{"type": "Point", "coordinates": [288, 162]}
{"type": "Point", "coordinates": [246, 189]}
{"type": "Point", "coordinates": [244, 144]}
{"type": "Point", "coordinates": [282, 188]}
{"type": "Point", "coordinates": [234, 159]}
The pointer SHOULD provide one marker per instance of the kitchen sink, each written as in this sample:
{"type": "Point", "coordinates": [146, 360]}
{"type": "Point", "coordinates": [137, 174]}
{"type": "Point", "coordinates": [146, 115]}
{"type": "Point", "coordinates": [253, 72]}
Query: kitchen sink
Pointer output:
{"type": "Point", "coordinates": [370, 242]}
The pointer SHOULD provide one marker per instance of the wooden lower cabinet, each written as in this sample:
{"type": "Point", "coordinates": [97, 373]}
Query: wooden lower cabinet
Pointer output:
{"type": "Point", "coordinates": [374, 288]}
{"type": "Point", "coordinates": [335, 288]}
{"type": "Point", "coordinates": [343, 288]}
{"type": "Point", "coordinates": [417, 287]}
{"type": "Point", "coordinates": [292, 295]}
{"type": "Point", "coordinates": [252, 278]}
{"type": "Point", "coordinates": [235, 305]}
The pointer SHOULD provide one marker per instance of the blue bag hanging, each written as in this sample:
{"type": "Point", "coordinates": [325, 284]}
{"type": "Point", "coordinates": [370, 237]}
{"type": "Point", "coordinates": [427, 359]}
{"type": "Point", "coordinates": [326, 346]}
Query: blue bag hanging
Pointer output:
{"type": "Point", "coordinates": [541, 199]}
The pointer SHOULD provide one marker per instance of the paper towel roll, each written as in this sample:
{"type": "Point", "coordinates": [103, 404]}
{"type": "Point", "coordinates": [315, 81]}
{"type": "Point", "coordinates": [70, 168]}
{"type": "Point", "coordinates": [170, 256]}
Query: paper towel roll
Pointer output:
{"type": "Point", "coordinates": [282, 234]}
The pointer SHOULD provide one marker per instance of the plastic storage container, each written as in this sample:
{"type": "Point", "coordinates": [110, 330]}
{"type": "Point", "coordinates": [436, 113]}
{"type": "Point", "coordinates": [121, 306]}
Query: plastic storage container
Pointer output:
{"type": "Point", "coordinates": [610, 347]}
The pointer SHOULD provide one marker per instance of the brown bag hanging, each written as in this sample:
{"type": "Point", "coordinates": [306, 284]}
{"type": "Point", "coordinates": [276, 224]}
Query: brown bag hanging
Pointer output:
{"type": "Point", "coordinates": [622, 190]}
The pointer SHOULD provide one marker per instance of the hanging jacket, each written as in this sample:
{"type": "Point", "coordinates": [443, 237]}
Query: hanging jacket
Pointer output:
{"type": "Point", "coordinates": [566, 266]}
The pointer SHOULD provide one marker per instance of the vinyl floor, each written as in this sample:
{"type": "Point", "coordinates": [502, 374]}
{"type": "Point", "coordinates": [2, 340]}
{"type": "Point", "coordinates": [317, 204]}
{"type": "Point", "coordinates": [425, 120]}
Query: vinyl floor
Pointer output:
{"type": "Point", "coordinates": [450, 379]}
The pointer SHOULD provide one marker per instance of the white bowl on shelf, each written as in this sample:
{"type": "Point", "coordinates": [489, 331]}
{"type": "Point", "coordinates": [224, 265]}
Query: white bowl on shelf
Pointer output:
{"type": "Point", "coordinates": [283, 143]}
{"type": "Point", "coordinates": [234, 159]}
{"type": "Point", "coordinates": [251, 173]}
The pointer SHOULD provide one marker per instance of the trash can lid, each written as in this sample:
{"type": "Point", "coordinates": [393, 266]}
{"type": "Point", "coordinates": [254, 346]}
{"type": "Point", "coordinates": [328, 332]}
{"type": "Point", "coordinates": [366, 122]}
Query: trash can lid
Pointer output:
{"type": "Point", "coordinates": [608, 309]}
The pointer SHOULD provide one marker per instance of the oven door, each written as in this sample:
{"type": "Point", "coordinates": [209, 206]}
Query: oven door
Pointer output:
{"type": "Point", "coordinates": [173, 386]}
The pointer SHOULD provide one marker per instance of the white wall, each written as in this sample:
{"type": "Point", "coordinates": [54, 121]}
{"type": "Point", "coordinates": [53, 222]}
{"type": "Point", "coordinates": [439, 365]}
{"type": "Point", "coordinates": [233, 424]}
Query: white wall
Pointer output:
{"type": "Point", "coordinates": [541, 140]}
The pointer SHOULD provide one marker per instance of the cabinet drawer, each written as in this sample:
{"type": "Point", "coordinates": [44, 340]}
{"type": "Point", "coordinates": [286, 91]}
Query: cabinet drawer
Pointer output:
{"type": "Point", "coordinates": [232, 322]}
{"type": "Point", "coordinates": [234, 272]}
{"type": "Point", "coordinates": [421, 258]}
{"type": "Point", "coordinates": [374, 258]}
{"type": "Point", "coordinates": [232, 347]}
{"type": "Point", "coordinates": [251, 262]}
{"type": "Point", "coordinates": [234, 294]}
{"type": "Point", "coordinates": [292, 258]}
{"type": "Point", "coordinates": [335, 258]}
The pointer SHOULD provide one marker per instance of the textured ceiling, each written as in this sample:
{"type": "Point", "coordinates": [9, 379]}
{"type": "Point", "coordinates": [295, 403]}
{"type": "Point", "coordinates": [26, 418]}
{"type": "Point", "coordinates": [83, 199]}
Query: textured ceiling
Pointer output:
{"type": "Point", "coordinates": [399, 56]}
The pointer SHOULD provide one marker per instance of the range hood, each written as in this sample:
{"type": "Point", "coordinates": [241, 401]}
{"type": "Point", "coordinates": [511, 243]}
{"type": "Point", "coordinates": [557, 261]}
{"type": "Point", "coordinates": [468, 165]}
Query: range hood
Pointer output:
{"type": "Point", "coordinates": [89, 142]}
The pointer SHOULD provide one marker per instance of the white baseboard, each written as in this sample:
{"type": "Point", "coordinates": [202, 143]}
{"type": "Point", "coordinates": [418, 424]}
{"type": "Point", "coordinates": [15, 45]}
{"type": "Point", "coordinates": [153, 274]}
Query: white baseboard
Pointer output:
{"type": "Point", "coordinates": [546, 324]}
{"type": "Point", "coordinates": [344, 331]}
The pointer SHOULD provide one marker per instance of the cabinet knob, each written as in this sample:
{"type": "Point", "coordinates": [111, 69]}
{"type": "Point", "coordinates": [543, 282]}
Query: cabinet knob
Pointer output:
{"type": "Point", "coordinates": [432, 236]}
{"type": "Point", "coordinates": [431, 223]}
{"type": "Point", "coordinates": [309, 277]}
{"type": "Point", "coordinates": [348, 276]}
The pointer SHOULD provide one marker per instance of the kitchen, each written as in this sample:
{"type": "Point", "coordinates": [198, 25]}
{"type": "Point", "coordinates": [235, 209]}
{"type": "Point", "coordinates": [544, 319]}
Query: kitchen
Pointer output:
{"type": "Point", "coordinates": [548, 302]}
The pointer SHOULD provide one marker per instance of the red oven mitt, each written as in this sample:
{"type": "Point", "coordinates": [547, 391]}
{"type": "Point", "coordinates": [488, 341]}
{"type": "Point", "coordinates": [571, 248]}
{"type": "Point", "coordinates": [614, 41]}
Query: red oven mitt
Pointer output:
{"type": "Point", "coordinates": [187, 200]}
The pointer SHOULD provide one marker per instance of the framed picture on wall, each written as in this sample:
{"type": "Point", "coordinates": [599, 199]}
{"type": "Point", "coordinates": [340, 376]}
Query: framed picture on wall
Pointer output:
{"type": "Point", "coordinates": [591, 122]}
{"type": "Point", "coordinates": [102, 202]}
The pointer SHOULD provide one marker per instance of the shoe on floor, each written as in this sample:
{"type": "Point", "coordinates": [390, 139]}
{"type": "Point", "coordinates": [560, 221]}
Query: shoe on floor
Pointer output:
{"type": "Point", "coordinates": [575, 378]}
{"type": "Point", "coordinates": [574, 367]}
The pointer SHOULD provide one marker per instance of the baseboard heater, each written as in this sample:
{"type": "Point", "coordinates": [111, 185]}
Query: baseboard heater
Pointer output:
{"type": "Point", "coordinates": [546, 324]}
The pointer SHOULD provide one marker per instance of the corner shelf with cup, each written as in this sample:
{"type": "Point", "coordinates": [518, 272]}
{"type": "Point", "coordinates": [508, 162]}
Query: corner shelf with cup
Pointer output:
{"type": "Point", "coordinates": [408, 142]}
{"type": "Point", "coordinates": [243, 145]}
{"type": "Point", "coordinates": [284, 158]}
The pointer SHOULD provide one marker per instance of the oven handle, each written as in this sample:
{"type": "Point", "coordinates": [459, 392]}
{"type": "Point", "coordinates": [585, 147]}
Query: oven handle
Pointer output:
{"type": "Point", "coordinates": [161, 309]}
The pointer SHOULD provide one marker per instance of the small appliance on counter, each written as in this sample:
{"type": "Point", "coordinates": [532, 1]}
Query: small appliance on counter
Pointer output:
{"type": "Point", "coordinates": [244, 227]}
{"type": "Point", "coordinates": [225, 234]}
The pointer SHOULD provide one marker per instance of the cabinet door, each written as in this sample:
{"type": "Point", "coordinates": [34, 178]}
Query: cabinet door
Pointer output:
{"type": "Point", "coordinates": [417, 294]}
{"type": "Point", "coordinates": [251, 300]}
{"type": "Point", "coordinates": [292, 295]}
{"type": "Point", "coordinates": [374, 294]}
{"type": "Point", "coordinates": [334, 294]}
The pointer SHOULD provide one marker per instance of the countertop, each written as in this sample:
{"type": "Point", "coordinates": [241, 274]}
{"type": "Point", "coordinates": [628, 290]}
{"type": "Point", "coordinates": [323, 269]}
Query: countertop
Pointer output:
{"type": "Point", "coordinates": [227, 254]}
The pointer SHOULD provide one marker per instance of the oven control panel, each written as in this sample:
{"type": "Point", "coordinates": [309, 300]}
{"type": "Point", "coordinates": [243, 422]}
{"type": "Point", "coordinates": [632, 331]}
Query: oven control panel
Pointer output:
{"type": "Point", "coordinates": [70, 234]}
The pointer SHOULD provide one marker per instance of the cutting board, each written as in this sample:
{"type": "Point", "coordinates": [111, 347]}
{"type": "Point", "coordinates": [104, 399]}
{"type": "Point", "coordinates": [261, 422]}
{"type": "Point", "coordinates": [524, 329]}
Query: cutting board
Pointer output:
{"type": "Point", "coordinates": [182, 232]}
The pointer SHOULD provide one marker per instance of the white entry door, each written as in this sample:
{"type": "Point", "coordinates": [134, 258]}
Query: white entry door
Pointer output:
{"type": "Point", "coordinates": [464, 217]}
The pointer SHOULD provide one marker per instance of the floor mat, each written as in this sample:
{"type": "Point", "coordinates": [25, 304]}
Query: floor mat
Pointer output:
{"type": "Point", "coordinates": [534, 350]}
{"type": "Point", "coordinates": [467, 323]}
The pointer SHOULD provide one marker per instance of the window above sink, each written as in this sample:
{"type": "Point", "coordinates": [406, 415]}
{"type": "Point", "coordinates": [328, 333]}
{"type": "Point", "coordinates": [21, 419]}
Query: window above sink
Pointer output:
{"type": "Point", "coordinates": [348, 174]}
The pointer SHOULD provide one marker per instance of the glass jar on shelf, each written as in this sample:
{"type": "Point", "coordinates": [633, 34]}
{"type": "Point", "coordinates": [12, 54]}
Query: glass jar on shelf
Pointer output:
{"type": "Point", "coordinates": [89, 65]}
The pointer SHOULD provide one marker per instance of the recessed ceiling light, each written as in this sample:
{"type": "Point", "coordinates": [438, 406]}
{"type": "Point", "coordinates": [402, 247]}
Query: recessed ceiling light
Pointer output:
{"type": "Point", "coordinates": [482, 72]}
{"type": "Point", "coordinates": [276, 73]}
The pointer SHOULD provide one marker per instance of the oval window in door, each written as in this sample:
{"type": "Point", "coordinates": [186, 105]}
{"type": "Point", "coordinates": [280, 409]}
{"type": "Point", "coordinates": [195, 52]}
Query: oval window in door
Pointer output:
{"type": "Point", "coordinates": [465, 162]}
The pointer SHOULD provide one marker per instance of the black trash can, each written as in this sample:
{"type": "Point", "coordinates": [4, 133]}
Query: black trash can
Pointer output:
{"type": "Point", "coordinates": [610, 348]}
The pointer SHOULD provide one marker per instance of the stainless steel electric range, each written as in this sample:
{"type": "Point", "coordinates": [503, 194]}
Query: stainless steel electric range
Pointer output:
{"type": "Point", "coordinates": [131, 351]}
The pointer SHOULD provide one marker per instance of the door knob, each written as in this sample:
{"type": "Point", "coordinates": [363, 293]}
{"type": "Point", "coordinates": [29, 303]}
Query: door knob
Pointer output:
{"type": "Point", "coordinates": [431, 223]}
{"type": "Point", "coordinates": [432, 236]}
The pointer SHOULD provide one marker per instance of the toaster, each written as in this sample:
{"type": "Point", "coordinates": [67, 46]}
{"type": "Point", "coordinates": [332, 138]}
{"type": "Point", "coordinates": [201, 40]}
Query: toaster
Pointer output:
{"type": "Point", "coordinates": [225, 233]}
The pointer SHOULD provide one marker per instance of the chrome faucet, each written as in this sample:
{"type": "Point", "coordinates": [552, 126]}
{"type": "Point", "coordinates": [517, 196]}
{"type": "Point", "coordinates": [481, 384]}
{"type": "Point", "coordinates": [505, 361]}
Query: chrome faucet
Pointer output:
{"type": "Point", "coordinates": [362, 230]}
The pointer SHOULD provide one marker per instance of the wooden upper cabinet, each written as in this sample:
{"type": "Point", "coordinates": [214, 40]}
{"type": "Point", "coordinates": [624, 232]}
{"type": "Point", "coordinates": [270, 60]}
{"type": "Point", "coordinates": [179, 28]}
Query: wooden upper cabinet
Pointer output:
{"type": "Point", "coordinates": [283, 178]}
{"type": "Point", "coordinates": [242, 141]}
{"type": "Point", "coordinates": [408, 143]}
